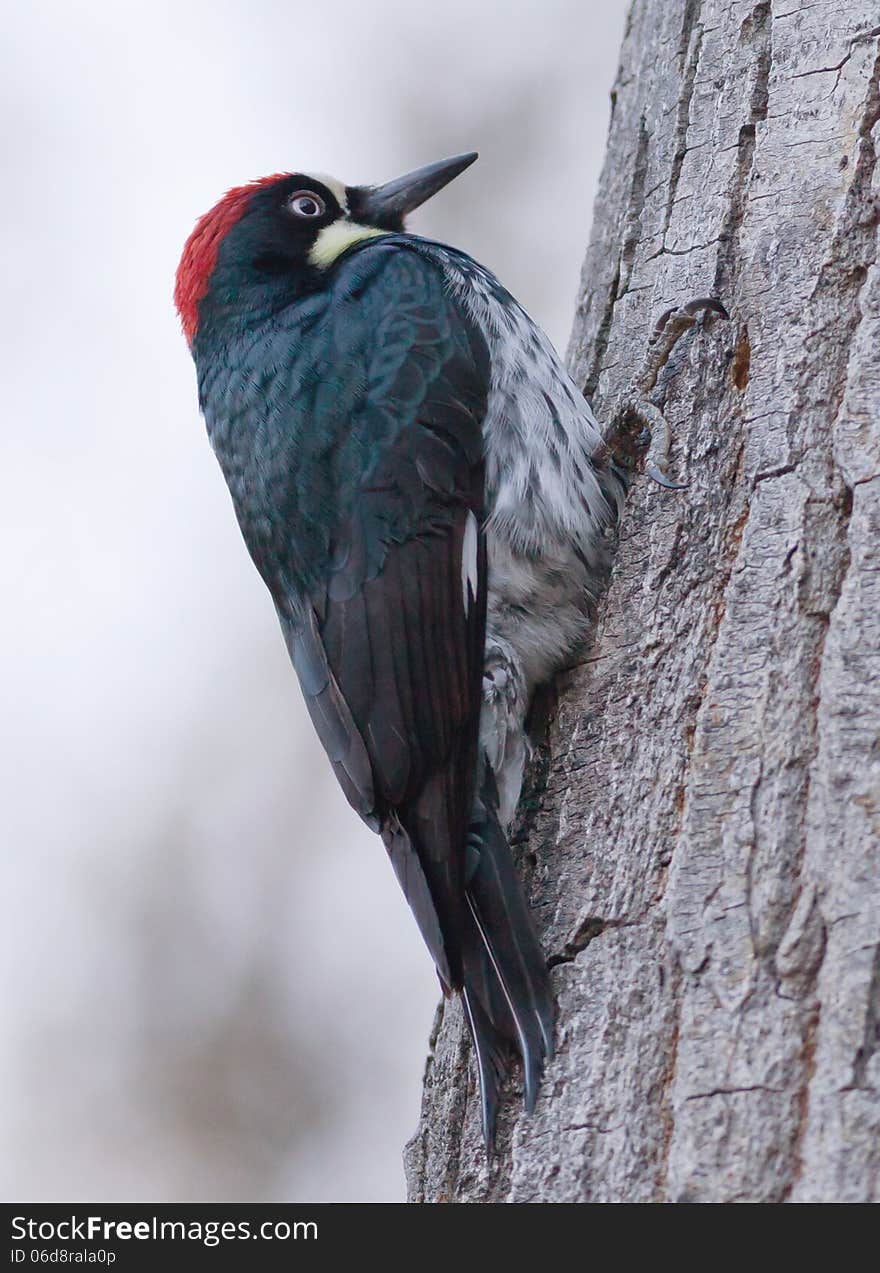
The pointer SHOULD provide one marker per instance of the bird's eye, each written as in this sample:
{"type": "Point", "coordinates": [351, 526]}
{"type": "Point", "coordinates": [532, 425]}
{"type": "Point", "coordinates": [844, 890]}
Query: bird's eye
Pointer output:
{"type": "Point", "coordinates": [306, 204]}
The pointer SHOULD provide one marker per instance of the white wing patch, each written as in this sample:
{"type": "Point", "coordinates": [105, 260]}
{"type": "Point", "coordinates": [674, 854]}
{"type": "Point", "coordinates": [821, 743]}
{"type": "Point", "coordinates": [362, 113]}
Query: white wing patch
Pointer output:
{"type": "Point", "coordinates": [469, 563]}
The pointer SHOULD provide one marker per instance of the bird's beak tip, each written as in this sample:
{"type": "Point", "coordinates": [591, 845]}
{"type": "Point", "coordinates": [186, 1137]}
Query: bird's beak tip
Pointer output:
{"type": "Point", "coordinates": [395, 199]}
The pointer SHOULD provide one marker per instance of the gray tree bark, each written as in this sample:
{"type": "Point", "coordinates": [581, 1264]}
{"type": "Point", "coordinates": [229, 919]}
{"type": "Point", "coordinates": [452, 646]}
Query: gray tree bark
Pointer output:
{"type": "Point", "coordinates": [701, 829]}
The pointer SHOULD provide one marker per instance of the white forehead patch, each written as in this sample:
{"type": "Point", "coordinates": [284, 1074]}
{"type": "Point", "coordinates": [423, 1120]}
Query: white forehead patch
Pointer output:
{"type": "Point", "coordinates": [332, 184]}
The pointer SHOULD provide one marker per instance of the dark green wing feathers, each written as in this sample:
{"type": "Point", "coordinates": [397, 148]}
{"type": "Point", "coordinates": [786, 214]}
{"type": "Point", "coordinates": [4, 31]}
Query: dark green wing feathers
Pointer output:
{"type": "Point", "coordinates": [350, 430]}
{"type": "Point", "coordinates": [388, 642]}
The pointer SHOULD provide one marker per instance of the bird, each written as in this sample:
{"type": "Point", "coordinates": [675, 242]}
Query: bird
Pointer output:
{"type": "Point", "coordinates": [429, 499]}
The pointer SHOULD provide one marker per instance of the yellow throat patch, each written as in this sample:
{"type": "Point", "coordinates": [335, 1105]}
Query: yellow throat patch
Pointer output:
{"type": "Point", "coordinates": [337, 238]}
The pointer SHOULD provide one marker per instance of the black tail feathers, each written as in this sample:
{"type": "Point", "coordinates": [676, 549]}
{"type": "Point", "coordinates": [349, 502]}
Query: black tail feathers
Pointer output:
{"type": "Point", "coordinates": [506, 990]}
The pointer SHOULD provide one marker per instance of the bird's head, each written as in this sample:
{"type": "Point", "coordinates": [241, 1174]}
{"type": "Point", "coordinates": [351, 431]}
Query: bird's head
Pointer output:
{"type": "Point", "coordinates": [288, 230]}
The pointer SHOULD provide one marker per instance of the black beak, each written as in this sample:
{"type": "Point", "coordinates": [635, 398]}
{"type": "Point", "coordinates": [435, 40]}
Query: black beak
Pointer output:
{"type": "Point", "coordinates": [386, 206]}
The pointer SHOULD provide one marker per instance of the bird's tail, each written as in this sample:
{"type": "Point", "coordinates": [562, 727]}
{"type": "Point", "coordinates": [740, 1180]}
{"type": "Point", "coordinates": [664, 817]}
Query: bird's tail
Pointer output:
{"type": "Point", "coordinates": [506, 985]}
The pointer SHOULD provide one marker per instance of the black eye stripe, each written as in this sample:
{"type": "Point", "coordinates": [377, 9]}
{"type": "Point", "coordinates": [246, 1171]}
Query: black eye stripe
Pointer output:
{"type": "Point", "coordinates": [305, 203]}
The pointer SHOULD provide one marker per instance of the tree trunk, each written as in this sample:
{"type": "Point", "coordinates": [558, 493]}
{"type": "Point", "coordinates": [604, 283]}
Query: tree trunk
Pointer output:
{"type": "Point", "coordinates": [700, 833]}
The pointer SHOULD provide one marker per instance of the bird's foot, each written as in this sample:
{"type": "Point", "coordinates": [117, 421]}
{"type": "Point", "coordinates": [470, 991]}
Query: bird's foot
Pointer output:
{"type": "Point", "coordinates": [501, 679]}
{"type": "Point", "coordinates": [635, 411]}
{"type": "Point", "coordinates": [502, 734]}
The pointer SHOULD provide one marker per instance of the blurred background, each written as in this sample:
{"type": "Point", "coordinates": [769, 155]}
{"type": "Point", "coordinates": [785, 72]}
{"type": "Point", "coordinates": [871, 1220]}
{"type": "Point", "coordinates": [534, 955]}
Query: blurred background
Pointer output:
{"type": "Point", "coordinates": [213, 988]}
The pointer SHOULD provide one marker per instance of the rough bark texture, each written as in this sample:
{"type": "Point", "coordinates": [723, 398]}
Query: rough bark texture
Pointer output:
{"type": "Point", "coordinates": [701, 833]}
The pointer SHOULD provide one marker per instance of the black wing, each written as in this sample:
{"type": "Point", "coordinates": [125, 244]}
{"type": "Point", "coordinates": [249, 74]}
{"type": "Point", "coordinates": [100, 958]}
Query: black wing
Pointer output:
{"type": "Point", "coordinates": [388, 643]}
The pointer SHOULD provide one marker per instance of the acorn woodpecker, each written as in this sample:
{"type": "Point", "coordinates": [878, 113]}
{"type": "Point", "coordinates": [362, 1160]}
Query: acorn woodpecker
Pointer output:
{"type": "Point", "coordinates": [426, 494]}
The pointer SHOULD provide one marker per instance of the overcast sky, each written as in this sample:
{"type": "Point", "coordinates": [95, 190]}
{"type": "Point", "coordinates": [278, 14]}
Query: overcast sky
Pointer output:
{"type": "Point", "coordinates": [216, 990]}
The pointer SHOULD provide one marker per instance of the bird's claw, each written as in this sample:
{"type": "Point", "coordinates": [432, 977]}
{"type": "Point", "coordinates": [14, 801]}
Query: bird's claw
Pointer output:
{"type": "Point", "coordinates": [688, 314]}
{"type": "Point", "coordinates": [636, 408]}
{"type": "Point", "coordinates": [661, 479]}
